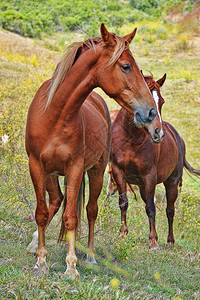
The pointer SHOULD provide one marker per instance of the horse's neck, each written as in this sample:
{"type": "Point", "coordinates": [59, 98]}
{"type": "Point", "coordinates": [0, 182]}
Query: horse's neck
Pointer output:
{"type": "Point", "coordinates": [137, 135]}
{"type": "Point", "coordinates": [75, 88]}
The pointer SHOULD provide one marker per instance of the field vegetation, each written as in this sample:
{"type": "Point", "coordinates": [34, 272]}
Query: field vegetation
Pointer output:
{"type": "Point", "coordinates": [32, 18]}
{"type": "Point", "coordinates": [127, 268]}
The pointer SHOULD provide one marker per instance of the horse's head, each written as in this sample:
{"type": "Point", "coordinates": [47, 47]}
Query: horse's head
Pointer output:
{"type": "Point", "coordinates": [154, 86]}
{"type": "Point", "coordinates": [108, 63]}
{"type": "Point", "coordinates": [118, 75]}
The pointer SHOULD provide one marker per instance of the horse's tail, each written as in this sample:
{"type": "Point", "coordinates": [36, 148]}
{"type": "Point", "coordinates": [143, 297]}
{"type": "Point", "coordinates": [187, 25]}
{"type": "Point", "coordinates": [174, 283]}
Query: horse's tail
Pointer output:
{"type": "Point", "coordinates": [132, 190]}
{"type": "Point", "coordinates": [193, 171]}
{"type": "Point", "coordinates": [79, 205]}
{"type": "Point", "coordinates": [186, 164]}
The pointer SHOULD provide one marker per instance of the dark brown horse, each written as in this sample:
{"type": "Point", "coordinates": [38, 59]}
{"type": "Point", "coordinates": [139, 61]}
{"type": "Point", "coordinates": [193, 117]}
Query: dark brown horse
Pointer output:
{"type": "Point", "coordinates": [136, 160]}
{"type": "Point", "coordinates": [112, 186]}
{"type": "Point", "coordinates": [68, 131]}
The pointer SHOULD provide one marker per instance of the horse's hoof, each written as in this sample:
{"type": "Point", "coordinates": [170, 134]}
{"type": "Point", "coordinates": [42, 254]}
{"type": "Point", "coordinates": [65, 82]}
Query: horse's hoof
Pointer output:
{"type": "Point", "coordinates": [154, 246]}
{"type": "Point", "coordinates": [72, 274]}
{"type": "Point", "coordinates": [91, 257]}
{"type": "Point", "coordinates": [123, 234]}
{"type": "Point", "coordinates": [170, 244]}
{"type": "Point", "coordinates": [90, 260]}
{"type": "Point", "coordinates": [41, 269]}
{"type": "Point", "coordinates": [32, 247]}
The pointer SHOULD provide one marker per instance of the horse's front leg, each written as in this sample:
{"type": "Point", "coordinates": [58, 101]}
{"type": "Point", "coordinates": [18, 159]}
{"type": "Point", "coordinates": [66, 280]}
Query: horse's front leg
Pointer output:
{"type": "Point", "coordinates": [55, 195]}
{"type": "Point", "coordinates": [74, 177]}
{"type": "Point", "coordinates": [123, 200]}
{"type": "Point", "coordinates": [147, 194]}
{"type": "Point", "coordinates": [41, 214]}
{"type": "Point", "coordinates": [55, 199]}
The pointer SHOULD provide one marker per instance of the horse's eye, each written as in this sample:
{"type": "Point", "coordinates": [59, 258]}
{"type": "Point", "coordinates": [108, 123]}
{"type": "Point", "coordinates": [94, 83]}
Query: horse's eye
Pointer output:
{"type": "Point", "coordinates": [126, 68]}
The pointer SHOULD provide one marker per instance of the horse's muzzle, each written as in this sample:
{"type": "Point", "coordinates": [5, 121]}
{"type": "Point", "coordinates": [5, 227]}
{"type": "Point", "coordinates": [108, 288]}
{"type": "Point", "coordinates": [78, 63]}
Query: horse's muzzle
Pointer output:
{"type": "Point", "coordinates": [144, 117]}
{"type": "Point", "coordinates": [158, 136]}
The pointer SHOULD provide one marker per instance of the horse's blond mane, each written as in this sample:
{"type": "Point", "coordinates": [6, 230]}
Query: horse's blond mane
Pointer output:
{"type": "Point", "coordinates": [121, 45]}
{"type": "Point", "coordinates": [62, 69]}
{"type": "Point", "coordinates": [68, 59]}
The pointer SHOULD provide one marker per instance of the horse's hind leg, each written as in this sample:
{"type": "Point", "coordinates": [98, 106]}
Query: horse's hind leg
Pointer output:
{"type": "Point", "coordinates": [41, 214]}
{"type": "Point", "coordinates": [123, 200]}
{"type": "Point", "coordinates": [55, 199]}
{"type": "Point", "coordinates": [55, 196]}
{"type": "Point", "coordinates": [95, 186]}
{"type": "Point", "coordinates": [171, 194]}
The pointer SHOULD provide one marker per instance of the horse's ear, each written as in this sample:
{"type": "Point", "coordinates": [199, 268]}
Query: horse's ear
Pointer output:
{"type": "Point", "coordinates": [107, 37]}
{"type": "Point", "coordinates": [161, 80]}
{"type": "Point", "coordinates": [130, 36]}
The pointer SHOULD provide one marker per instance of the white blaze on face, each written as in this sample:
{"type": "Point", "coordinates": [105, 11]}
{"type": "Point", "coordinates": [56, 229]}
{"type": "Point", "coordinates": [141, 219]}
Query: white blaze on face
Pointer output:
{"type": "Point", "coordinates": [156, 99]}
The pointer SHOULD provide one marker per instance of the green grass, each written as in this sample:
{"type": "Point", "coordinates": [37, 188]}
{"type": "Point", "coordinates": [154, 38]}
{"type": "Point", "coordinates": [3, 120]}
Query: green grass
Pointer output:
{"type": "Point", "coordinates": [142, 273]}
{"type": "Point", "coordinates": [126, 269]}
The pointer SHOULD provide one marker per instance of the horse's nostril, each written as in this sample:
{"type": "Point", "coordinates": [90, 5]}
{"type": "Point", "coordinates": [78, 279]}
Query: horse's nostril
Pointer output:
{"type": "Point", "coordinates": [145, 117]}
{"type": "Point", "coordinates": [156, 133]}
{"type": "Point", "coordinates": [152, 114]}
{"type": "Point", "coordinates": [138, 117]}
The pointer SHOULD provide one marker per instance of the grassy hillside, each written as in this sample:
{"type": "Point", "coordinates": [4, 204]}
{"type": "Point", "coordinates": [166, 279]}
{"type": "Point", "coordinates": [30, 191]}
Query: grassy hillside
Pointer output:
{"type": "Point", "coordinates": [126, 269]}
{"type": "Point", "coordinates": [33, 18]}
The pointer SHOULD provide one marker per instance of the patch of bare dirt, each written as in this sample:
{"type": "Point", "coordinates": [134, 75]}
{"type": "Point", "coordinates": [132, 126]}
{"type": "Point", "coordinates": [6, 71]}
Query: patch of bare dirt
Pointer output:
{"type": "Point", "coordinates": [15, 43]}
{"type": "Point", "coordinates": [179, 15]}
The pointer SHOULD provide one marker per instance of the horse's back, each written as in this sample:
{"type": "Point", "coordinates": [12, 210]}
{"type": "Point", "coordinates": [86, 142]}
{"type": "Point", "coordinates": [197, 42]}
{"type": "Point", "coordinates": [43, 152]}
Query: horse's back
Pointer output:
{"type": "Point", "coordinates": [176, 137]}
{"type": "Point", "coordinates": [96, 102]}
{"type": "Point", "coordinates": [95, 111]}
{"type": "Point", "coordinates": [171, 155]}
{"type": "Point", "coordinates": [36, 125]}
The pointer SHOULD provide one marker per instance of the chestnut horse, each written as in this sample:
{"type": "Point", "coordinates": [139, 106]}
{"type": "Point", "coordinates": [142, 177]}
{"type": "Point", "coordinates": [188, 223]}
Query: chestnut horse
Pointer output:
{"type": "Point", "coordinates": [68, 131]}
{"type": "Point", "coordinates": [136, 160]}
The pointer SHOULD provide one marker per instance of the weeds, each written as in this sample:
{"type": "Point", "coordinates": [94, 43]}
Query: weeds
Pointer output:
{"type": "Point", "coordinates": [183, 42]}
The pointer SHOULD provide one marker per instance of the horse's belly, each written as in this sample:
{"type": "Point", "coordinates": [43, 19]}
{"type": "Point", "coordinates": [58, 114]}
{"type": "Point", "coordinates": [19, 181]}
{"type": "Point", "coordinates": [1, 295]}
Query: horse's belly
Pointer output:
{"type": "Point", "coordinates": [97, 138]}
{"type": "Point", "coordinates": [135, 179]}
{"type": "Point", "coordinates": [163, 176]}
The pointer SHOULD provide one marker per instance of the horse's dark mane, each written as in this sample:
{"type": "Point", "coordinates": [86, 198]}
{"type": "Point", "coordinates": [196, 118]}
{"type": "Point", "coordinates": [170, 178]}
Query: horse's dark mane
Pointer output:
{"type": "Point", "coordinates": [151, 82]}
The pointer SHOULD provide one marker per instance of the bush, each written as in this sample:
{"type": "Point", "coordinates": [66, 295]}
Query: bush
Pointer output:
{"type": "Point", "coordinates": [183, 42]}
{"type": "Point", "coordinates": [147, 6]}
{"type": "Point", "coordinates": [162, 33]}
{"type": "Point", "coordinates": [31, 18]}
{"type": "Point", "coordinates": [16, 22]}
